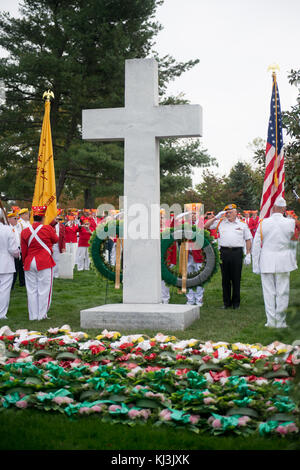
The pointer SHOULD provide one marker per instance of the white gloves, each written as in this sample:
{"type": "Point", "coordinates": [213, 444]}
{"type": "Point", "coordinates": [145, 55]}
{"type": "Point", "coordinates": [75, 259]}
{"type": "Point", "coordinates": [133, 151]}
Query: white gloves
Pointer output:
{"type": "Point", "coordinates": [219, 215]}
{"type": "Point", "coordinates": [247, 259]}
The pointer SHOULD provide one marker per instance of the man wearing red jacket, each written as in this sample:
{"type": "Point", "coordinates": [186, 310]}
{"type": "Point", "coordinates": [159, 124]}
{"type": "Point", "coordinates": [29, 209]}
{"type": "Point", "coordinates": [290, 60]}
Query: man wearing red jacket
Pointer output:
{"type": "Point", "coordinates": [59, 247]}
{"type": "Point", "coordinates": [71, 237]}
{"type": "Point", "coordinates": [253, 222]}
{"type": "Point", "coordinates": [36, 245]}
{"type": "Point", "coordinates": [83, 260]}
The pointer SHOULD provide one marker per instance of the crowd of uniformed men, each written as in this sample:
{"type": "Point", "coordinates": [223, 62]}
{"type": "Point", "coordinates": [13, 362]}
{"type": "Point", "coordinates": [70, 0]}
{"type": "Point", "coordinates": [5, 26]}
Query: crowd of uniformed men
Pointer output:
{"type": "Point", "coordinates": [30, 253]}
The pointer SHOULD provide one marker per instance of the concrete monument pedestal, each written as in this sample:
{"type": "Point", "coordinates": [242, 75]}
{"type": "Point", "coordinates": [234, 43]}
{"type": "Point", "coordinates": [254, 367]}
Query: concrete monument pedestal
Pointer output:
{"type": "Point", "coordinates": [157, 317]}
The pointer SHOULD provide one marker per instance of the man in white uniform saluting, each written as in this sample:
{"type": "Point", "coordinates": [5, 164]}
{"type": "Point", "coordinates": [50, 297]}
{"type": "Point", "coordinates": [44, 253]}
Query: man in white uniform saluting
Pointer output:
{"type": "Point", "coordinates": [273, 259]}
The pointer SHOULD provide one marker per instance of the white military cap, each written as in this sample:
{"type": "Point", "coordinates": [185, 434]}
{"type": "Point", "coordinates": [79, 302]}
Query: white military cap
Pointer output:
{"type": "Point", "coordinates": [280, 202]}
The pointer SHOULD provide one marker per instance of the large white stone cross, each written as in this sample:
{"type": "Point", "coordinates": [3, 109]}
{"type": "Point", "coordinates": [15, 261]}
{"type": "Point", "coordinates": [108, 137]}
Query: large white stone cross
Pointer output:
{"type": "Point", "coordinates": [141, 123]}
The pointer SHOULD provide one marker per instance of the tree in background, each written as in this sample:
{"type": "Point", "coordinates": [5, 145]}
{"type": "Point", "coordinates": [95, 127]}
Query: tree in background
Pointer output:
{"type": "Point", "coordinates": [291, 123]}
{"type": "Point", "coordinates": [213, 191]}
{"type": "Point", "coordinates": [177, 162]}
{"type": "Point", "coordinates": [241, 183]}
{"type": "Point", "coordinates": [78, 48]}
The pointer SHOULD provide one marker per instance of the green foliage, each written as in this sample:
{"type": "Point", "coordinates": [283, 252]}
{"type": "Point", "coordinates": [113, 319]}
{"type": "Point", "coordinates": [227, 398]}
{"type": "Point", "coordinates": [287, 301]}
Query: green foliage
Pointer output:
{"type": "Point", "coordinates": [241, 183]}
{"type": "Point", "coordinates": [177, 162]}
{"type": "Point", "coordinates": [291, 123]}
{"type": "Point", "coordinates": [212, 191]}
{"type": "Point", "coordinates": [242, 187]}
{"type": "Point", "coordinates": [78, 49]}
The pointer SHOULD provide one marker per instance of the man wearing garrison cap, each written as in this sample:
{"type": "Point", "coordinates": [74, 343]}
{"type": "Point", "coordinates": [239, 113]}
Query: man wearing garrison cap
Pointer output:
{"type": "Point", "coordinates": [234, 235]}
{"type": "Point", "coordinates": [273, 259]}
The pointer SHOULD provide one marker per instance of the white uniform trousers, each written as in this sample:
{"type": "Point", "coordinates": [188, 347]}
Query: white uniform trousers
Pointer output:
{"type": "Point", "coordinates": [6, 280]}
{"type": "Point", "coordinates": [165, 293]}
{"type": "Point", "coordinates": [56, 255]}
{"type": "Point", "coordinates": [39, 291]}
{"type": "Point", "coordinates": [276, 289]}
{"type": "Point", "coordinates": [72, 248]}
{"type": "Point", "coordinates": [165, 290]}
{"type": "Point", "coordinates": [194, 297]}
{"type": "Point", "coordinates": [83, 260]}
{"type": "Point", "coordinates": [113, 255]}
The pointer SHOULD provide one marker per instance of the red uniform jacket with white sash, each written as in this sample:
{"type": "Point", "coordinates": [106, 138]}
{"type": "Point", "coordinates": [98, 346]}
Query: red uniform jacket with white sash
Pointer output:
{"type": "Point", "coordinates": [32, 246]}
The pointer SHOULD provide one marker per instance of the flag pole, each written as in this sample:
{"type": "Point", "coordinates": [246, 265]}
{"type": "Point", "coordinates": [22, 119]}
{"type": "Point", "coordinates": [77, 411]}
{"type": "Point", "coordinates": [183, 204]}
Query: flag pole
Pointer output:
{"type": "Point", "coordinates": [273, 185]}
{"type": "Point", "coordinates": [273, 68]}
{"type": "Point", "coordinates": [45, 190]}
{"type": "Point", "coordinates": [4, 213]}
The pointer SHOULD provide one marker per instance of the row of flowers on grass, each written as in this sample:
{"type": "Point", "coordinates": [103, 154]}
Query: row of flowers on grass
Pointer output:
{"type": "Point", "coordinates": [213, 387]}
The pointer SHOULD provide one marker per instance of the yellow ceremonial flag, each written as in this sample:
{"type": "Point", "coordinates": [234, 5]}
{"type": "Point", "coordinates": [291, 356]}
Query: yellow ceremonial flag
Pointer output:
{"type": "Point", "coordinates": [45, 188]}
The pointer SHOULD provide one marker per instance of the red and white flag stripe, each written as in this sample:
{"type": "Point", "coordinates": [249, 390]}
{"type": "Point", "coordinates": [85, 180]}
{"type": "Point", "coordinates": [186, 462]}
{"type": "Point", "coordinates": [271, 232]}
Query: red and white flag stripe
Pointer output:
{"type": "Point", "coordinates": [270, 190]}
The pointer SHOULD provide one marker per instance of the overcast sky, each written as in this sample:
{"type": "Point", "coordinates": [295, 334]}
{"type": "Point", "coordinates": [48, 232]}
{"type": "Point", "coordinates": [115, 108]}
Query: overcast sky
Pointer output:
{"type": "Point", "coordinates": [236, 41]}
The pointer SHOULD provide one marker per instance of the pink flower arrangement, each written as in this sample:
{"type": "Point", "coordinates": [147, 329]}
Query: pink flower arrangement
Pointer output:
{"type": "Point", "coordinates": [114, 408]}
{"type": "Point", "coordinates": [133, 414]}
{"type": "Point", "coordinates": [85, 410]}
{"type": "Point", "coordinates": [243, 420]}
{"type": "Point", "coordinates": [97, 408]}
{"type": "Point", "coordinates": [208, 400]}
{"type": "Point", "coordinates": [22, 404]}
{"type": "Point", "coordinates": [155, 395]}
{"type": "Point", "coordinates": [145, 413]}
{"type": "Point", "coordinates": [215, 423]}
{"type": "Point", "coordinates": [165, 415]}
{"type": "Point", "coordinates": [194, 419]}
{"type": "Point", "coordinates": [62, 400]}
{"type": "Point", "coordinates": [291, 427]}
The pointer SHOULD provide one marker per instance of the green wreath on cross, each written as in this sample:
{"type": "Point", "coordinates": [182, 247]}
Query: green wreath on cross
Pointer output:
{"type": "Point", "coordinates": [210, 253]}
{"type": "Point", "coordinates": [98, 246]}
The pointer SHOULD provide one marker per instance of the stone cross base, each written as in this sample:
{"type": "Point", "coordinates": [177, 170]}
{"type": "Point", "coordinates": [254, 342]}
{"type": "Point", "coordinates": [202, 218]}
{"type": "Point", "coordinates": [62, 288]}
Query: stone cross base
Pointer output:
{"type": "Point", "coordinates": [139, 317]}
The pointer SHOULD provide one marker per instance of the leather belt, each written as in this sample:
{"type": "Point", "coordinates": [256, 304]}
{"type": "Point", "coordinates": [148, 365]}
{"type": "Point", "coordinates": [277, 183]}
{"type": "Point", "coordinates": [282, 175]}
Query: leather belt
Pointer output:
{"type": "Point", "coordinates": [231, 248]}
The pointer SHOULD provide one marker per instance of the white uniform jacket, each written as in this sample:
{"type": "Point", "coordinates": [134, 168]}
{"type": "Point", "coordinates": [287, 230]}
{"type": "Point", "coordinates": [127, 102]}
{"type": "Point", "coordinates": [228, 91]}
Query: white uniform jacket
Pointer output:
{"type": "Point", "coordinates": [8, 250]}
{"type": "Point", "coordinates": [274, 253]}
{"type": "Point", "coordinates": [22, 224]}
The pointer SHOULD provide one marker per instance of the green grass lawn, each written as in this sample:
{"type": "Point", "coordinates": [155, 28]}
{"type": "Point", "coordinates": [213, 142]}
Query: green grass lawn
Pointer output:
{"type": "Point", "coordinates": [31, 429]}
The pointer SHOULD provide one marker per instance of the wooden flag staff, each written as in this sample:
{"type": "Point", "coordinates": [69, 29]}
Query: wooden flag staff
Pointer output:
{"type": "Point", "coordinates": [119, 243]}
{"type": "Point", "coordinates": [4, 213]}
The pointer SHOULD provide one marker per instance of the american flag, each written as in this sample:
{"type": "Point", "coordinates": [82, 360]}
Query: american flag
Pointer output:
{"type": "Point", "coordinates": [274, 175]}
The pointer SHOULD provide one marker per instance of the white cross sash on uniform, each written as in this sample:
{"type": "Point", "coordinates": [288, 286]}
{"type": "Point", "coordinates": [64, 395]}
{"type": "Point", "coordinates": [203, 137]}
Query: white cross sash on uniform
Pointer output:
{"type": "Point", "coordinates": [34, 236]}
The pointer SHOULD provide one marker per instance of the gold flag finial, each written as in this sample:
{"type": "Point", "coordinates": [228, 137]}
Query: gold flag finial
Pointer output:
{"type": "Point", "coordinates": [274, 67]}
{"type": "Point", "coordinates": [48, 94]}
